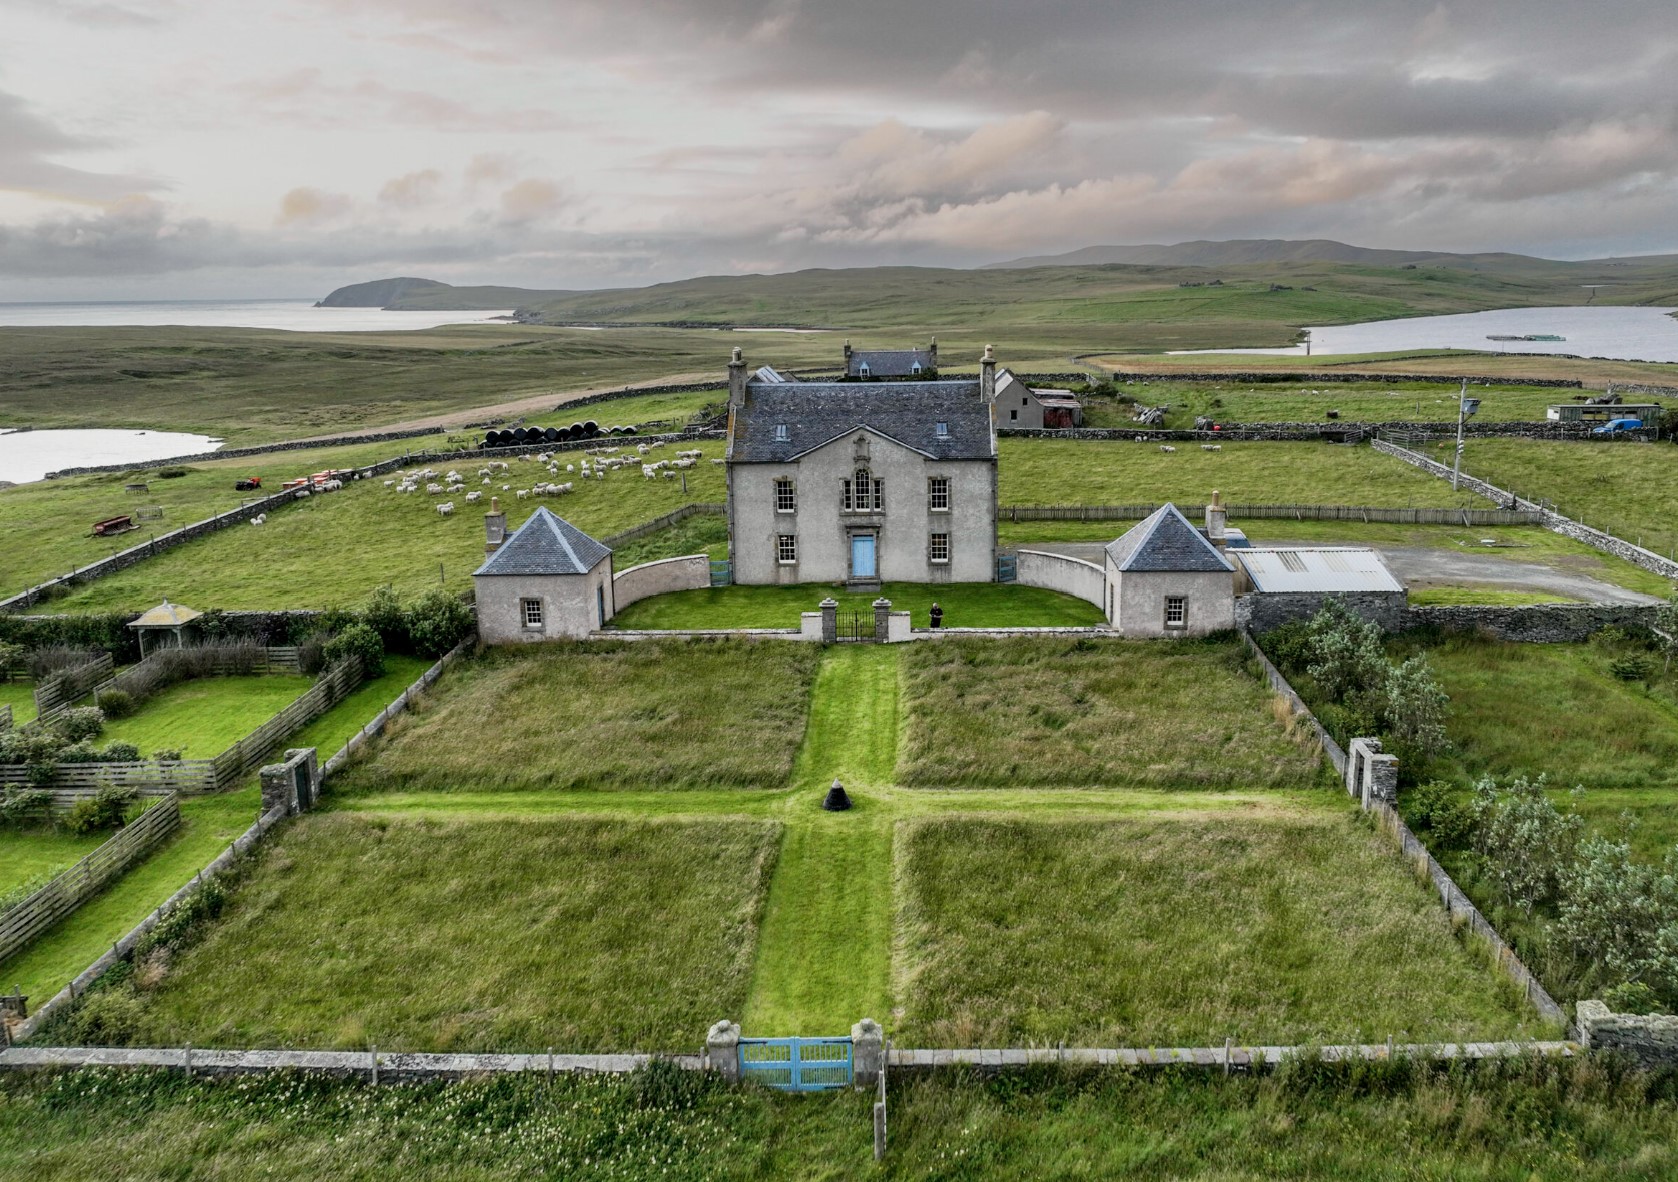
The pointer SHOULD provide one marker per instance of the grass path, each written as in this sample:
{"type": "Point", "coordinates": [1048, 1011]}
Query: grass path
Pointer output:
{"type": "Point", "coordinates": [824, 952]}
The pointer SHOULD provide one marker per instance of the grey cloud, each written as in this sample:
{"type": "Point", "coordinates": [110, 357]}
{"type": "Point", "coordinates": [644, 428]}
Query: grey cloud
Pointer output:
{"type": "Point", "coordinates": [28, 146]}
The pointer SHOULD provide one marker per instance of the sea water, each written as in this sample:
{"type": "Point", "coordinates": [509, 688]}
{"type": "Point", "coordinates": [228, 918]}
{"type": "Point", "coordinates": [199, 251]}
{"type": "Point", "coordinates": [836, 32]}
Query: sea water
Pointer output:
{"type": "Point", "coordinates": [289, 315]}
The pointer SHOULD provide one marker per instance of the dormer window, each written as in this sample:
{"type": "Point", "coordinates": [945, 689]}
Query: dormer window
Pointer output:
{"type": "Point", "coordinates": [781, 435]}
{"type": "Point", "coordinates": [943, 430]}
{"type": "Point", "coordinates": [915, 368]}
{"type": "Point", "coordinates": [862, 369]}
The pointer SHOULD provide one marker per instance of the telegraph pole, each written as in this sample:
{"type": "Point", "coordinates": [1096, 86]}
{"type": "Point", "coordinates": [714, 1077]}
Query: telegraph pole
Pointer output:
{"type": "Point", "coordinates": [1465, 407]}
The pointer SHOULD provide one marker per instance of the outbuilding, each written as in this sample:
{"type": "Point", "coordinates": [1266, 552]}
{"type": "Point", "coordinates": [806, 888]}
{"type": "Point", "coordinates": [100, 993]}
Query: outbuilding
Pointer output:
{"type": "Point", "coordinates": [1165, 579]}
{"type": "Point", "coordinates": [168, 625]}
{"type": "Point", "coordinates": [1020, 407]}
{"type": "Point", "coordinates": [547, 581]}
{"type": "Point", "coordinates": [1282, 583]}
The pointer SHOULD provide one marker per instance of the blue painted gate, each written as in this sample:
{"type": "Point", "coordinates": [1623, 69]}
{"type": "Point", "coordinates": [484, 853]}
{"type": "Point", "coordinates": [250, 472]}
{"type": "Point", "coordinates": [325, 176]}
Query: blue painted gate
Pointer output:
{"type": "Point", "coordinates": [722, 572]}
{"type": "Point", "coordinates": [797, 1064]}
{"type": "Point", "coordinates": [1007, 568]}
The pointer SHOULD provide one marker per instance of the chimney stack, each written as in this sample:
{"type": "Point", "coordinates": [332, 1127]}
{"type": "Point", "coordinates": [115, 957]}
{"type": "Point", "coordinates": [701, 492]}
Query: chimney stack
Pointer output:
{"type": "Point", "coordinates": [932, 352]}
{"type": "Point", "coordinates": [736, 380]}
{"type": "Point", "coordinates": [987, 376]}
{"type": "Point", "coordinates": [1217, 521]}
{"type": "Point", "coordinates": [495, 526]}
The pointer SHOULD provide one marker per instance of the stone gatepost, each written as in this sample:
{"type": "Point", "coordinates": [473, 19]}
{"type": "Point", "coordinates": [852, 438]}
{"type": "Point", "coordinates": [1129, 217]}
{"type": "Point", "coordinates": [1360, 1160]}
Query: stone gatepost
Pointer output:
{"type": "Point", "coordinates": [293, 784]}
{"type": "Point", "coordinates": [830, 620]}
{"type": "Point", "coordinates": [868, 1053]}
{"type": "Point", "coordinates": [882, 620]}
{"type": "Point", "coordinates": [1381, 781]}
{"type": "Point", "coordinates": [1355, 753]}
{"type": "Point", "coordinates": [722, 1049]}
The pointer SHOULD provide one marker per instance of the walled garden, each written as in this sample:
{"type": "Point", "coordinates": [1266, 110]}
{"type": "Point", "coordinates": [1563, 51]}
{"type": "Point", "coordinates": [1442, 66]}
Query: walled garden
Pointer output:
{"type": "Point", "coordinates": [965, 605]}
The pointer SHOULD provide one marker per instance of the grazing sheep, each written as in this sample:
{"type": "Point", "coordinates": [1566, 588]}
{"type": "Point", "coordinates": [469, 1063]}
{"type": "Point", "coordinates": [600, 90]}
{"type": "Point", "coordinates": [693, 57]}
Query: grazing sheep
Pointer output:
{"type": "Point", "coordinates": [259, 519]}
{"type": "Point", "coordinates": [523, 493]}
{"type": "Point", "coordinates": [1211, 447]}
{"type": "Point", "coordinates": [1166, 447]}
{"type": "Point", "coordinates": [388, 483]}
{"type": "Point", "coordinates": [473, 497]}
{"type": "Point", "coordinates": [446, 508]}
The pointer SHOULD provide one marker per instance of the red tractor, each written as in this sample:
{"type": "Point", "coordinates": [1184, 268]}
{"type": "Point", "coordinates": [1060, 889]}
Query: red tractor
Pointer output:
{"type": "Point", "coordinates": [248, 484]}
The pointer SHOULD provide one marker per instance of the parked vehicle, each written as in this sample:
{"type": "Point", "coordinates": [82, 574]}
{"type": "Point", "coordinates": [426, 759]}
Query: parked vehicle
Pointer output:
{"type": "Point", "coordinates": [1615, 426]}
{"type": "Point", "coordinates": [248, 484]}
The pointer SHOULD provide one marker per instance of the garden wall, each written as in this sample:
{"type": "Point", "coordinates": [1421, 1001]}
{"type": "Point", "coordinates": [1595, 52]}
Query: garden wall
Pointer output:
{"type": "Point", "coordinates": [679, 514]}
{"type": "Point", "coordinates": [1363, 513]}
{"type": "Point", "coordinates": [1273, 377]}
{"type": "Point", "coordinates": [1336, 431]}
{"type": "Point", "coordinates": [1542, 623]}
{"type": "Point", "coordinates": [1650, 1039]}
{"type": "Point", "coordinates": [1057, 572]}
{"type": "Point", "coordinates": [1262, 611]}
{"type": "Point", "coordinates": [1555, 522]}
{"type": "Point", "coordinates": [688, 573]}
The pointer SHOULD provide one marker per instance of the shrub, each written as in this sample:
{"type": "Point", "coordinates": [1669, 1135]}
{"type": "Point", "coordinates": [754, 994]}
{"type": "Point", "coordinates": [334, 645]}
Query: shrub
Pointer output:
{"type": "Point", "coordinates": [120, 753]}
{"type": "Point", "coordinates": [1434, 807]}
{"type": "Point", "coordinates": [79, 752]}
{"type": "Point", "coordinates": [16, 808]}
{"type": "Point", "coordinates": [48, 659]}
{"type": "Point", "coordinates": [358, 640]}
{"type": "Point", "coordinates": [117, 703]}
{"type": "Point", "coordinates": [1413, 711]}
{"type": "Point", "coordinates": [176, 928]}
{"type": "Point", "coordinates": [167, 755]}
{"type": "Point", "coordinates": [311, 656]}
{"type": "Point", "coordinates": [1633, 997]}
{"type": "Point", "coordinates": [1525, 841]}
{"type": "Point", "coordinates": [14, 658]}
{"type": "Point", "coordinates": [105, 810]}
{"type": "Point", "coordinates": [385, 616]}
{"type": "Point", "coordinates": [1347, 658]}
{"type": "Point", "coordinates": [1632, 667]}
{"type": "Point", "coordinates": [108, 1017]}
{"type": "Point", "coordinates": [171, 473]}
{"type": "Point", "coordinates": [1289, 646]}
{"type": "Point", "coordinates": [1623, 914]}
{"type": "Point", "coordinates": [438, 621]}
{"type": "Point", "coordinates": [80, 722]}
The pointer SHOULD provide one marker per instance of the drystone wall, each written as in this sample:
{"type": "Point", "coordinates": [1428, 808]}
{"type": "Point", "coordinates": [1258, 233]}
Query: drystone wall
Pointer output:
{"type": "Point", "coordinates": [1542, 623]}
{"type": "Point", "coordinates": [234, 453]}
{"type": "Point", "coordinates": [1334, 432]}
{"type": "Point", "coordinates": [1261, 612]}
{"type": "Point", "coordinates": [1650, 1039]}
{"type": "Point", "coordinates": [1274, 377]}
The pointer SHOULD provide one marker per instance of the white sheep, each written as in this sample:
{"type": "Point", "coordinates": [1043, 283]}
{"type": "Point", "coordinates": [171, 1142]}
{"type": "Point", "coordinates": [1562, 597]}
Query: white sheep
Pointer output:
{"type": "Point", "coordinates": [388, 483]}
{"type": "Point", "coordinates": [473, 497]}
{"type": "Point", "coordinates": [1211, 447]}
{"type": "Point", "coordinates": [259, 519]}
{"type": "Point", "coordinates": [1166, 447]}
{"type": "Point", "coordinates": [446, 508]}
{"type": "Point", "coordinates": [523, 493]}
{"type": "Point", "coordinates": [433, 488]}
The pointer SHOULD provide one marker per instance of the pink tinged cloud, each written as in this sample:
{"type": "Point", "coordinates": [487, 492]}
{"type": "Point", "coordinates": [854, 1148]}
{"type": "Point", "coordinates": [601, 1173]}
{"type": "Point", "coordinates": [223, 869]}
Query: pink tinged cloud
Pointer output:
{"type": "Point", "coordinates": [307, 206]}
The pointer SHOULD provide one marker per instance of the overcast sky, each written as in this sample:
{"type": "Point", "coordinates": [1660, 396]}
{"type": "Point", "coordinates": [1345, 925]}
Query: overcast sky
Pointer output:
{"type": "Point", "coordinates": [183, 148]}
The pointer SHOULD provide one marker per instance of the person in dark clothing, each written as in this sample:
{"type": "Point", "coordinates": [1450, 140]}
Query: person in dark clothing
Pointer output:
{"type": "Point", "coordinates": [937, 614]}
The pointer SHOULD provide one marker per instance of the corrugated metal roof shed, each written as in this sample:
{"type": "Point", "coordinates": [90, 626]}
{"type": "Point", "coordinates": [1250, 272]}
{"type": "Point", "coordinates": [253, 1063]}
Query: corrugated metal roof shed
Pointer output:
{"type": "Point", "coordinates": [1327, 569]}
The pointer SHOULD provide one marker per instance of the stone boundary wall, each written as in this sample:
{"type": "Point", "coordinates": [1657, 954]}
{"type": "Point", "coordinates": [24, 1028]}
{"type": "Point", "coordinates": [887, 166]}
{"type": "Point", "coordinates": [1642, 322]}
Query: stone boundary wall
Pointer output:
{"type": "Point", "coordinates": [1462, 912]}
{"type": "Point", "coordinates": [1542, 623]}
{"type": "Point", "coordinates": [1273, 377]}
{"type": "Point", "coordinates": [687, 573]}
{"type": "Point", "coordinates": [530, 447]}
{"type": "Point", "coordinates": [1263, 432]}
{"type": "Point", "coordinates": [1057, 572]}
{"type": "Point", "coordinates": [234, 453]}
{"type": "Point", "coordinates": [1363, 513]}
{"type": "Point", "coordinates": [1551, 520]}
{"type": "Point", "coordinates": [1649, 1039]}
{"type": "Point", "coordinates": [1263, 611]}
{"type": "Point", "coordinates": [387, 1067]}
{"type": "Point", "coordinates": [682, 513]}
{"type": "Point", "coordinates": [696, 633]}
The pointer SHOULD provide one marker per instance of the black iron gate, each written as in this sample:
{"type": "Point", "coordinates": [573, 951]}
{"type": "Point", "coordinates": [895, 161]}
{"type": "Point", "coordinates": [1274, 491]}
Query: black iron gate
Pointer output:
{"type": "Point", "coordinates": [856, 624]}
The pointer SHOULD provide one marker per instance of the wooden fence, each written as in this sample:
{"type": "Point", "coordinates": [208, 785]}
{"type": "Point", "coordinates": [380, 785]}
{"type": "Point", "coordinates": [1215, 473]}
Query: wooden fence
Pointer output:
{"type": "Point", "coordinates": [282, 659]}
{"type": "Point", "coordinates": [77, 781]}
{"type": "Point", "coordinates": [6, 717]}
{"type": "Point", "coordinates": [1365, 513]}
{"type": "Point", "coordinates": [55, 692]}
{"type": "Point", "coordinates": [671, 518]}
{"type": "Point", "coordinates": [61, 896]}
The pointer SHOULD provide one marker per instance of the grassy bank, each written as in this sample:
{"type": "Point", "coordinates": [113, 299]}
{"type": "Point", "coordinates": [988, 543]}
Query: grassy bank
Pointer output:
{"type": "Point", "coordinates": [966, 605]}
{"type": "Point", "coordinates": [626, 934]}
{"type": "Point", "coordinates": [1028, 712]}
{"type": "Point", "coordinates": [1178, 933]}
{"type": "Point", "coordinates": [1571, 1121]}
{"type": "Point", "coordinates": [627, 715]}
{"type": "Point", "coordinates": [203, 717]}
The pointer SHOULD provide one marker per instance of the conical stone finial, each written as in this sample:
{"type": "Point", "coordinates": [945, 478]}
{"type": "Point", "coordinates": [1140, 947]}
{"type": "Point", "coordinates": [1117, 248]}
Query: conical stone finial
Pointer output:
{"type": "Point", "coordinates": [836, 801]}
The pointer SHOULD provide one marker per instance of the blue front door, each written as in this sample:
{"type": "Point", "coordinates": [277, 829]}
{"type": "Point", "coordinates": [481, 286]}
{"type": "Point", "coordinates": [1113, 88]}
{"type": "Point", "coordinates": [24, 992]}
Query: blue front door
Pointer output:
{"type": "Point", "coordinates": [862, 556]}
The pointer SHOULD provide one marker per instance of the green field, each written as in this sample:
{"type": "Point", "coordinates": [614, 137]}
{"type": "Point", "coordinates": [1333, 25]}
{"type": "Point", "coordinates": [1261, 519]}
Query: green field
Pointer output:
{"type": "Point", "coordinates": [629, 715]}
{"type": "Point", "coordinates": [703, 533]}
{"type": "Point", "coordinates": [966, 605]}
{"type": "Point", "coordinates": [1073, 472]}
{"type": "Point", "coordinates": [1099, 933]}
{"type": "Point", "coordinates": [20, 696]}
{"type": "Point", "coordinates": [1000, 713]}
{"type": "Point", "coordinates": [1307, 402]}
{"type": "Point", "coordinates": [31, 856]}
{"type": "Point", "coordinates": [1565, 1121]}
{"type": "Point", "coordinates": [205, 716]}
{"type": "Point", "coordinates": [624, 935]}
{"type": "Point", "coordinates": [1628, 489]}
{"type": "Point", "coordinates": [298, 557]}
{"type": "Point", "coordinates": [672, 409]}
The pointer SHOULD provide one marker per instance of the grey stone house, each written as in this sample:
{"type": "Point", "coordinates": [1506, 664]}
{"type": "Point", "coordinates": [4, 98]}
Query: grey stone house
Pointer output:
{"type": "Point", "coordinates": [859, 482]}
{"type": "Point", "coordinates": [876, 364]}
{"type": "Point", "coordinates": [547, 581]}
{"type": "Point", "coordinates": [1020, 406]}
{"type": "Point", "coordinates": [1165, 579]}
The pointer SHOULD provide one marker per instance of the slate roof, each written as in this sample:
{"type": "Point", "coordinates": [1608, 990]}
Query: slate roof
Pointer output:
{"type": "Point", "coordinates": [545, 545]}
{"type": "Point", "coordinates": [166, 615]}
{"type": "Point", "coordinates": [888, 363]}
{"type": "Point", "coordinates": [1165, 541]}
{"type": "Point", "coordinates": [817, 413]}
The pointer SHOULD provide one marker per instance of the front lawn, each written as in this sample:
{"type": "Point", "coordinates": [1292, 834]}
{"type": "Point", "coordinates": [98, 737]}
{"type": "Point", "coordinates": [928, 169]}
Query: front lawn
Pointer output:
{"type": "Point", "coordinates": [966, 605]}
{"type": "Point", "coordinates": [603, 715]}
{"type": "Point", "coordinates": [1180, 932]}
{"type": "Point", "coordinates": [1075, 711]}
{"type": "Point", "coordinates": [578, 934]}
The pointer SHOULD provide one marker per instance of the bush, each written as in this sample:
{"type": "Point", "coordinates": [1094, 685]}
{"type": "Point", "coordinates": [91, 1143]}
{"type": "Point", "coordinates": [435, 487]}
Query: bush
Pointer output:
{"type": "Point", "coordinates": [108, 1017]}
{"type": "Point", "coordinates": [1634, 997]}
{"type": "Point", "coordinates": [1434, 807]}
{"type": "Point", "coordinates": [105, 810]}
{"type": "Point", "coordinates": [1526, 842]}
{"type": "Point", "coordinates": [117, 703]}
{"type": "Point", "coordinates": [171, 473]}
{"type": "Point", "coordinates": [120, 753]}
{"type": "Point", "coordinates": [1623, 914]}
{"type": "Point", "coordinates": [1413, 711]}
{"type": "Point", "coordinates": [1632, 667]}
{"type": "Point", "coordinates": [358, 640]}
{"type": "Point", "coordinates": [48, 659]}
{"type": "Point", "coordinates": [311, 656]}
{"type": "Point", "coordinates": [16, 808]}
{"type": "Point", "coordinates": [81, 752]}
{"type": "Point", "coordinates": [438, 621]}
{"type": "Point", "coordinates": [1289, 646]}
{"type": "Point", "coordinates": [384, 614]}
{"type": "Point", "coordinates": [80, 722]}
{"type": "Point", "coordinates": [167, 755]}
{"type": "Point", "coordinates": [14, 658]}
{"type": "Point", "coordinates": [176, 928]}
